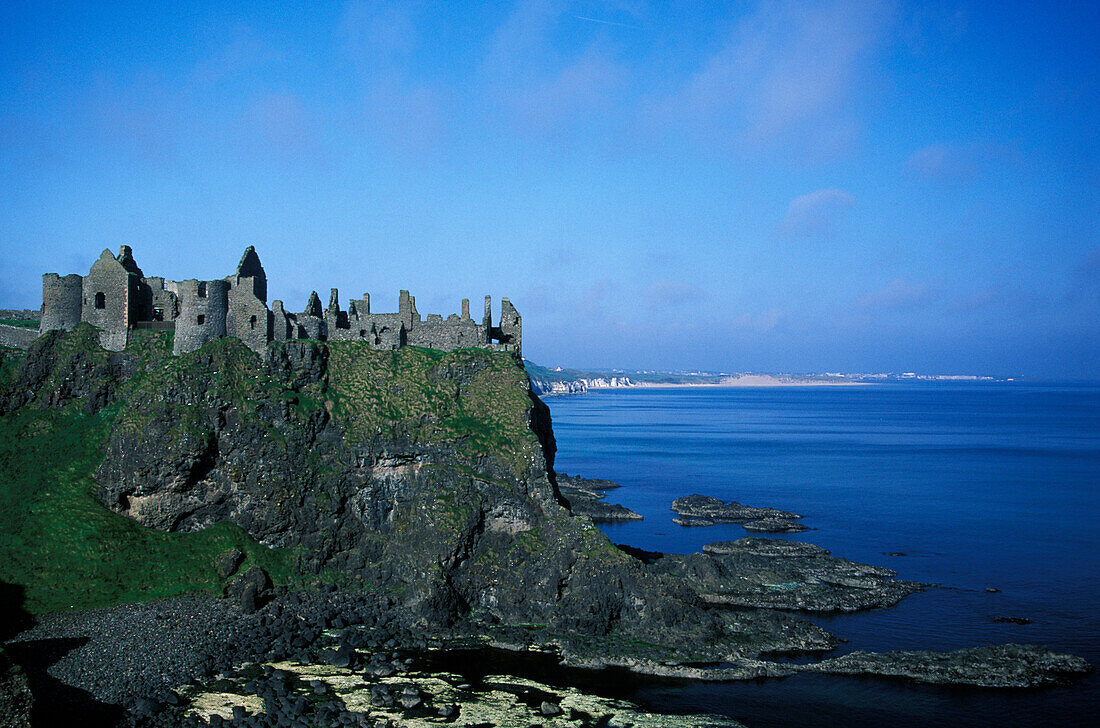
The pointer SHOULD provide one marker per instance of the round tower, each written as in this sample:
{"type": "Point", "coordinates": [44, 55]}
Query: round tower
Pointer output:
{"type": "Point", "coordinates": [61, 301]}
{"type": "Point", "coordinates": [203, 308]}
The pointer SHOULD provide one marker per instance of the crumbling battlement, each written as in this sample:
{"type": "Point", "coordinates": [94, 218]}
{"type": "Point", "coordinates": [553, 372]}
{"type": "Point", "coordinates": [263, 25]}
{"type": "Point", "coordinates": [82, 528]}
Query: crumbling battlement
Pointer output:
{"type": "Point", "coordinates": [117, 297]}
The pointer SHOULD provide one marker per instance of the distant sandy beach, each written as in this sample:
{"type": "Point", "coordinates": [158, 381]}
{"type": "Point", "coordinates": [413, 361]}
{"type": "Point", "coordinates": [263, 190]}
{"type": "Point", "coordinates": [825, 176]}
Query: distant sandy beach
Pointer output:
{"type": "Point", "coordinates": [747, 380]}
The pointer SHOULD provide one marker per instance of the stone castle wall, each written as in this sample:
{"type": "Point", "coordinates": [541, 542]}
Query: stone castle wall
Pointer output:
{"type": "Point", "coordinates": [105, 301]}
{"type": "Point", "coordinates": [248, 317]}
{"type": "Point", "coordinates": [16, 337]}
{"type": "Point", "coordinates": [117, 298]}
{"type": "Point", "coordinates": [161, 299]}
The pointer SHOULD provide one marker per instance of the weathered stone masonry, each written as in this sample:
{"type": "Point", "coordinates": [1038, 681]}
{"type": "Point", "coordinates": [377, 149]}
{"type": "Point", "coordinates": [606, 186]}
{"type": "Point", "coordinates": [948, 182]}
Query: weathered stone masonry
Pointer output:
{"type": "Point", "coordinates": [116, 297]}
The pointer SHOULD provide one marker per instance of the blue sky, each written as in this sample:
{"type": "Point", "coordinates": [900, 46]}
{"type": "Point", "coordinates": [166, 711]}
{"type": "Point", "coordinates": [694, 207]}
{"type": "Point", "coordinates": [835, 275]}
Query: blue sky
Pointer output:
{"type": "Point", "coordinates": [739, 186]}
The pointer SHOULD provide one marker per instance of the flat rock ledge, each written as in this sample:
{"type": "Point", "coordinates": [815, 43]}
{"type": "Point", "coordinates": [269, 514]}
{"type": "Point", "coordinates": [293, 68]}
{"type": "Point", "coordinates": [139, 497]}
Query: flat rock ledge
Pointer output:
{"type": "Point", "coordinates": [775, 525]}
{"type": "Point", "coordinates": [585, 496]}
{"type": "Point", "coordinates": [995, 666]}
{"type": "Point", "coordinates": [703, 510]}
{"type": "Point", "coordinates": [765, 547]}
{"type": "Point", "coordinates": [779, 574]}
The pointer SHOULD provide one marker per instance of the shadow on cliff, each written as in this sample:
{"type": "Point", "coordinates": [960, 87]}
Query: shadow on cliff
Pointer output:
{"type": "Point", "coordinates": [55, 703]}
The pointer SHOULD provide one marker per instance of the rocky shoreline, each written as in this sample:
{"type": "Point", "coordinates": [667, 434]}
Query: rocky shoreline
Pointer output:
{"type": "Point", "coordinates": [339, 658]}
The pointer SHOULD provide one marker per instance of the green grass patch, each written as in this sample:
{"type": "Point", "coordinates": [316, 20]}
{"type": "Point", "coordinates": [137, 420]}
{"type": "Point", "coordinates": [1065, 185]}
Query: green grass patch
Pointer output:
{"type": "Point", "coordinates": [10, 359]}
{"type": "Point", "coordinates": [474, 399]}
{"type": "Point", "coordinates": [69, 551]}
{"type": "Point", "coordinates": [22, 323]}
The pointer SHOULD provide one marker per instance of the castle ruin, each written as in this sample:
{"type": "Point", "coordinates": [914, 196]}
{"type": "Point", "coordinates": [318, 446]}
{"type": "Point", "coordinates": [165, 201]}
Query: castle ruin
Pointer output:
{"type": "Point", "coordinates": [117, 298]}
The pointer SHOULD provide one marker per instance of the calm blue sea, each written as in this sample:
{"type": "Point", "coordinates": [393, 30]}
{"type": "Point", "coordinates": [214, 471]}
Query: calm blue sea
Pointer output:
{"type": "Point", "coordinates": [978, 485]}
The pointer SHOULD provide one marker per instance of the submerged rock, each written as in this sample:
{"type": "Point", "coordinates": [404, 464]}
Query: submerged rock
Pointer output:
{"type": "Point", "coordinates": [1012, 620]}
{"type": "Point", "coordinates": [690, 522]}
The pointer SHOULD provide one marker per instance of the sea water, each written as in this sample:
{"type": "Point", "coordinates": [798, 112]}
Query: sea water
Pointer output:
{"type": "Point", "coordinates": [970, 486]}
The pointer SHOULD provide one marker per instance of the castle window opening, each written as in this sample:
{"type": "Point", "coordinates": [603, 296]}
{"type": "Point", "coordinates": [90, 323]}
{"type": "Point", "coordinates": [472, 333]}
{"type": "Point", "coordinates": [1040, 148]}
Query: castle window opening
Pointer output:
{"type": "Point", "coordinates": [100, 300]}
{"type": "Point", "coordinates": [362, 333]}
{"type": "Point", "coordinates": [201, 319]}
{"type": "Point", "coordinates": [158, 314]}
{"type": "Point", "coordinates": [202, 291]}
{"type": "Point", "coordinates": [252, 323]}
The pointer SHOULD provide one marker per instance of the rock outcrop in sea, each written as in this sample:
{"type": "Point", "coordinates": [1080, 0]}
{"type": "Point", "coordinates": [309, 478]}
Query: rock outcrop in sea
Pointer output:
{"type": "Point", "coordinates": [705, 510]}
{"type": "Point", "coordinates": [586, 498]}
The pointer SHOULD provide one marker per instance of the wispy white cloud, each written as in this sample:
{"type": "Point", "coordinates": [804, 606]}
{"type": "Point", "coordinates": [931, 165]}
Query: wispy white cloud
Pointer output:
{"type": "Point", "coordinates": [141, 118]}
{"type": "Point", "coordinates": [245, 52]}
{"type": "Point", "coordinates": [573, 95]}
{"type": "Point", "coordinates": [595, 299]}
{"type": "Point", "coordinates": [971, 302]}
{"type": "Point", "coordinates": [944, 162]}
{"type": "Point", "coordinates": [400, 112]}
{"type": "Point", "coordinates": [813, 214]}
{"type": "Point", "coordinates": [154, 115]}
{"type": "Point", "coordinates": [541, 88]}
{"type": "Point", "coordinates": [784, 75]}
{"type": "Point", "coordinates": [520, 44]}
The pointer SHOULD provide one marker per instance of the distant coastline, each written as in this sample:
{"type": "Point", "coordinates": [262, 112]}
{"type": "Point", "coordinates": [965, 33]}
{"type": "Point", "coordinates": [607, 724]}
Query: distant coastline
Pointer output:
{"type": "Point", "coordinates": [753, 380]}
{"type": "Point", "coordinates": [561, 381]}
